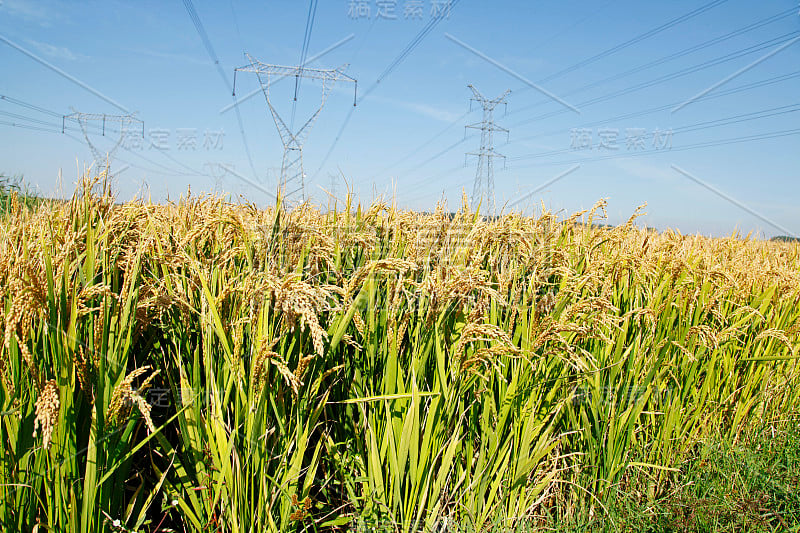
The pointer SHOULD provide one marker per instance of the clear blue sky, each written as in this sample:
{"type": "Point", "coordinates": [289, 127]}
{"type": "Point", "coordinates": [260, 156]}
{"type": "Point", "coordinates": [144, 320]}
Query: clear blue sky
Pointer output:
{"type": "Point", "coordinates": [402, 140]}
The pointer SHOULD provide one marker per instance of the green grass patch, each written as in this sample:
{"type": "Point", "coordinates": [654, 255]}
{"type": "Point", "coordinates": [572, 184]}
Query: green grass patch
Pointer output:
{"type": "Point", "coordinates": [752, 485]}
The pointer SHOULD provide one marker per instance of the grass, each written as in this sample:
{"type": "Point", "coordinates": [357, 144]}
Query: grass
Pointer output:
{"type": "Point", "coordinates": [203, 366]}
{"type": "Point", "coordinates": [14, 189]}
{"type": "Point", "coordinates": [750, 485]}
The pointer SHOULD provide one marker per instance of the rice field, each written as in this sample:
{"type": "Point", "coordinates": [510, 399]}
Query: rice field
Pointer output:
{"type": "Point", "coordinates": [210, 366]}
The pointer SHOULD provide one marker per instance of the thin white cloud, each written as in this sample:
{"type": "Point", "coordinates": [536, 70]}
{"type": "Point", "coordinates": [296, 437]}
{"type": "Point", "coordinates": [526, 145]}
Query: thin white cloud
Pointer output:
{"type": "Point", "coordinates": [430, 111]}
{"type": "Point", "coordinates": [55, 52]}
{"type": "Point", "coordinates": [420, 109]}
{"type": "Point", "coordinates": [171, 56]}
{"type": "Point", "coordinates": [31, 11]}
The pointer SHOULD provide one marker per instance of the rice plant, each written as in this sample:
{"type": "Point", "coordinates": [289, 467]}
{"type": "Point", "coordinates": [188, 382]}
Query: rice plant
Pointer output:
{"type": "Point", "coordinates": [206, 366]}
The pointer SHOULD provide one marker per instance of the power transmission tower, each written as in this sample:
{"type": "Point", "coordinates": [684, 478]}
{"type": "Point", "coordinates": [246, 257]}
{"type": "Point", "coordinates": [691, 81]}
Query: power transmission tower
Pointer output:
{"type": "Point", "coordinates": [84, 119]}
{"type": "Point", "coordinates": [292, 173]}
{"type": "Point", "coordinates": [485, 174]}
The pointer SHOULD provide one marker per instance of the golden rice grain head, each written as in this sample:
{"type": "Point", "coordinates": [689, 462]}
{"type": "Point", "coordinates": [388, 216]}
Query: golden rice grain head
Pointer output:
{"type": "Point", "coordinates": [287, 374]}
{"type": "Point", "coordinates": [125, 396]}
{"type": "Point", "coordinates": [483, 332]}
{"type": "Point", "coordinates": [27, 358]}
{"type": "Point", "coordinates": [350, 341]}
{"type": "Point", "coordinates": [259, 366]}
{"type": "Point", "coordinates": [689, 355]}
{"type": "Point", "coordinates": [361, 327]}
{"type": "Point", "coordinates": [99, 325]}
{"type": "Point", "coordinates": [47, 407]}
{"type": "Point", "coordinates": [6, 377]}
{"type": "Point", "coordinates": [84, 368]}
{"type": "Point", "coordinates": [302, 366]}
{"type": "Point", "coordinates": [778, 335]}
{"type": "Point", "coordinates": [706, 336]}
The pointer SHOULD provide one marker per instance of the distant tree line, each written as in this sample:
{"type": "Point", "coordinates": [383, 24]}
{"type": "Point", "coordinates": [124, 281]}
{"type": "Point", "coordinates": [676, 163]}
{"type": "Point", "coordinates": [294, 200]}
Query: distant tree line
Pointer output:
{"type": "Point", "coordinates": [785, 238]}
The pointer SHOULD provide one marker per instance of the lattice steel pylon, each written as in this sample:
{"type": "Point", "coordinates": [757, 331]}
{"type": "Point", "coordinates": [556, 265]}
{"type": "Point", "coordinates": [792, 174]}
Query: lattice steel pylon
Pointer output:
{"type": "Point", "coordinates": [83, 120]}
{"type": "Point", "coordinates": [292, 172]}
{"type": "Point", "coordinates": [487, 153]}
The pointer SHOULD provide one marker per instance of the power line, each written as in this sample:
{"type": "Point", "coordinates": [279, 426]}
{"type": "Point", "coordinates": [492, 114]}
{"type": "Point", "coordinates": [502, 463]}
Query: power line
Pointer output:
{"type": "Point", "coordinates": [96, 129]}
{"type": "Point", "coordinates": [167, 170]}
{"type": "Point", "coordinates": [413, 44]}
{"type": "Point", "coordinates": [436, 177]}
{"type": "Point", "coordinates": [561, 32]}
{"type": "Point", "coordinates": [236, 23]}
{"type": "Point", "coordinates": [706, 144]}
{"type": "Point", "coordinates": [461, 118]}
{"type": "Point", "coordinates": [244, 140]}
{"type": "Point", "coordinates": [736, 119]}
{"type": "Point", "coordinates": [63, 74]}
{"type": "Point", "coordinates": [718, 94]}
{"type": "Point", "coordinates": [76, 139]}
{"type": "Point", "coordinates": [725, 121]}
{"type": "Point", "coordinates": [32, 120]}
{"type": "Point", "coordinates": [576, 66]}
{"type": "Point", "coordinates": [668, 77]}
{"type": "Point", "coordinates": [28, 127]}
{"type": "Point", "coordinates": [84, 119]}
{"type": "Point", "coordinates": [30, 106]}
{"type": "Point", "coordinates": [440, 154]}
{"type": "Point", "coordinates": [23, 117]}
{"type": "Point", "coordinates": [312, 14]}
{"type": "Point", "coordinates": [363, 40]}
{"type": "Point", "coordinates": [198, 25]}
{"type": "Point", "coordinates": [335, 142]}
{"type": "Point", "coordinates": [201, 31]}
{"type": "Point", "coordinates": [630, 42]}
{"type": "Point", "coordinates": [650, 64]}
{"type": "Point", "coordinates": [693, 146]}
{"type": "Point", "coordinates": [427, 143]}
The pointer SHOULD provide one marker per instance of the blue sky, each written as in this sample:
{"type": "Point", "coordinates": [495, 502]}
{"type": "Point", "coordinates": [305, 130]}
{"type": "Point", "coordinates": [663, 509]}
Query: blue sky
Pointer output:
{"type": "Point", "coordinates": [737, 146]}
